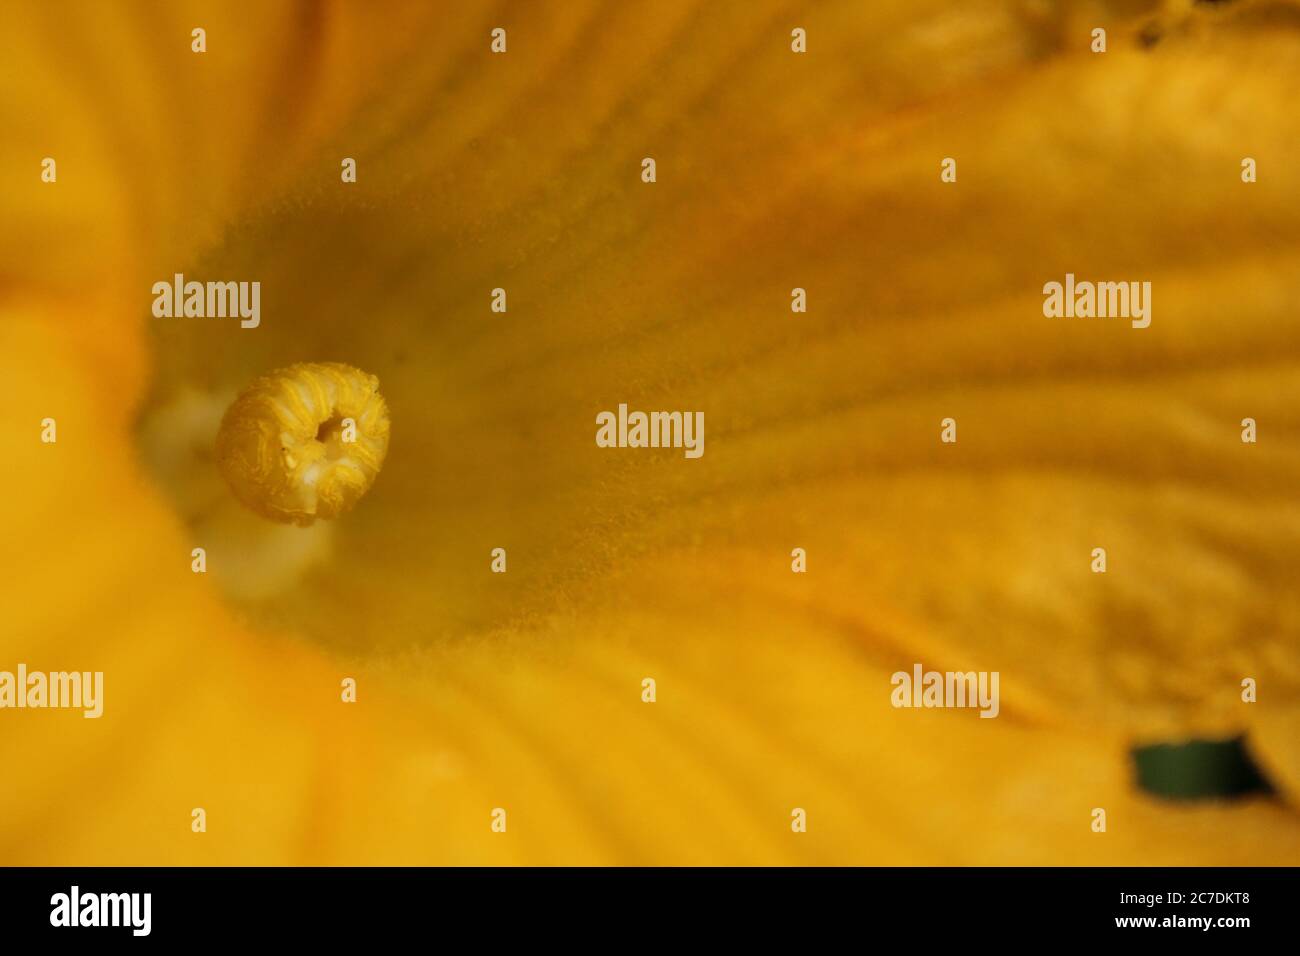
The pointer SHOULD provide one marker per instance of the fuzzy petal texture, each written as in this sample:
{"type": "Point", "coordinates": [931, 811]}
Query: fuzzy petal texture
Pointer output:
{"type": "Point", "coordinates": [775, 171]}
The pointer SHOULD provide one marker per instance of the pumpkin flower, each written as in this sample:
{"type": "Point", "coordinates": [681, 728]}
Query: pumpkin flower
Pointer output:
{"type": "Point", "coordinates": [501, 643]}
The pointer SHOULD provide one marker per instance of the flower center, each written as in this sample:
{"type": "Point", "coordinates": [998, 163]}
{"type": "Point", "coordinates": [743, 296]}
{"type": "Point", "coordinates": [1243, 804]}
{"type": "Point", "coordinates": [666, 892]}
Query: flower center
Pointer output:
{"type": "Point", "coordinates": [304, 442]}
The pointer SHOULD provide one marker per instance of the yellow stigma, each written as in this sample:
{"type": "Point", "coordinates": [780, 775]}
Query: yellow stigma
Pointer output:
{"type": "Point", "coordinates": [304, 442]}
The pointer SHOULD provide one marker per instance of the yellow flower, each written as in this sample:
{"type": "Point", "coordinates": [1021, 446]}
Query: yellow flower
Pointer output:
{"type": "Point", "coordinates": [775, 171]}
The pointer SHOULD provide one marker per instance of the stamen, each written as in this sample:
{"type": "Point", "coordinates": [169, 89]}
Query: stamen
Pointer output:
{"type": "Point", "coordinates": [304, 442]}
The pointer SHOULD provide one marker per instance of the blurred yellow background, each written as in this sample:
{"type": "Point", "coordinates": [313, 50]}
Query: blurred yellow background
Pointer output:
{"type": "Point", "coordinates": [775, 170]}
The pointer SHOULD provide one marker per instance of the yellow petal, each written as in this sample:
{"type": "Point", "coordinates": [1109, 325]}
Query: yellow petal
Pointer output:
{"type": "Point", "coordinates": [522, 690]}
